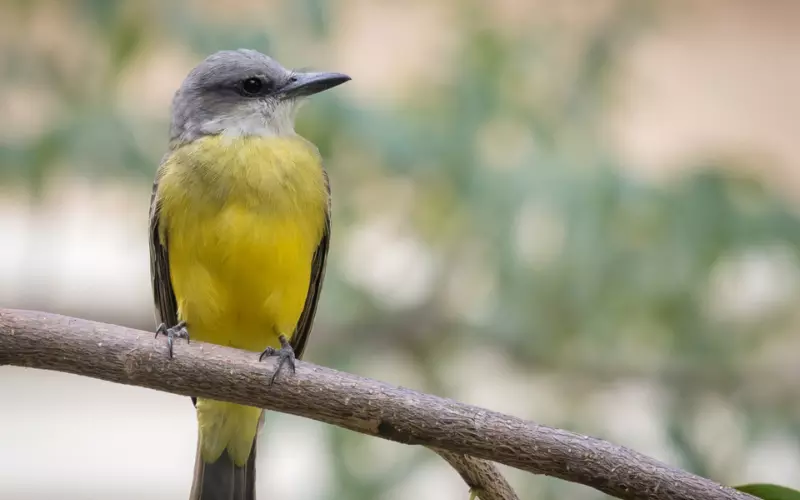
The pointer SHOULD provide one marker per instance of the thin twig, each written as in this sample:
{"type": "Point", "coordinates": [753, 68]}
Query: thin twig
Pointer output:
{"type": "Point", "coordinates": [482, 477]}
{"type": "Point", "coordinates": [127, 356]}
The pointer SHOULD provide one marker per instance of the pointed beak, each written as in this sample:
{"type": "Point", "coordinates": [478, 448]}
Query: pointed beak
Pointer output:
{"type": "Point", "coordinates": [306, 84]}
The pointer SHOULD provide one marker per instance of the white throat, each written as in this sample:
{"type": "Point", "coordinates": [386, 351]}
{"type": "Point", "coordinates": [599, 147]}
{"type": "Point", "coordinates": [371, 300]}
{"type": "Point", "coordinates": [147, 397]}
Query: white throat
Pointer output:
{"type": "Point", "coordinates": [256, 118]}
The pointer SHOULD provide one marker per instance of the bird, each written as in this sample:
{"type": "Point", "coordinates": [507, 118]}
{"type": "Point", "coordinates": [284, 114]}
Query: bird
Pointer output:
{"type": "Point", "coordinates": [239, 230]}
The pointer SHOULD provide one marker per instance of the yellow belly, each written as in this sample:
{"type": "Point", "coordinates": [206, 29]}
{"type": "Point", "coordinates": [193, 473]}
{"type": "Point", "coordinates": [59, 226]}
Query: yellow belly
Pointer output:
{"type": "Point", "coordinates": [242, 219]}
{"type": "Point", "coordinates": [241, 278]}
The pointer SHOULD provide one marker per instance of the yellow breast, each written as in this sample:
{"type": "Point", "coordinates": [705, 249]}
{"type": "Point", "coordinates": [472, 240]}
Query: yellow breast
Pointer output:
{"type": "Point", "coordinates": [242, 218]}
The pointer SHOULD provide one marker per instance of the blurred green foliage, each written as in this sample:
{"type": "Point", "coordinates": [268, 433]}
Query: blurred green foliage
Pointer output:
{"type": "Point", "coordinates": [770, 491]}
{"type": "Point", "coordinates": [622, 294]}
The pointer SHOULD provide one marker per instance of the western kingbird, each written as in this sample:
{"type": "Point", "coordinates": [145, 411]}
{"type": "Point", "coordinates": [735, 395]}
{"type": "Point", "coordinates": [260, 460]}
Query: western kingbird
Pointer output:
{"type": "Point", "coordinates": [239, 231]}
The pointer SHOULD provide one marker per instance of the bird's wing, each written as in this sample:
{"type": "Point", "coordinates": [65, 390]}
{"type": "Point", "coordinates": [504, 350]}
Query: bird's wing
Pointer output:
{"type": "Point", "coordinates": [163, 294]}
{"type": "Point", "coordinates": [318, 263]}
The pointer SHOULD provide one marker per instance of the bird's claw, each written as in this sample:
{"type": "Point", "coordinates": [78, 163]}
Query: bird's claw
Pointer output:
{"type": "Point", "coordinates": [178, 331]}
{"type": "Point", "coordinates": [285, 357]}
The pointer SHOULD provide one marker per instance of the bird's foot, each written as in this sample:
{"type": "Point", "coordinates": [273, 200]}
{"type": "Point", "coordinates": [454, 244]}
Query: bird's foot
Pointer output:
{"type": "Point", "coordinates": [178, 331]}
{"type": "Point", "coordinates": [285, 356]}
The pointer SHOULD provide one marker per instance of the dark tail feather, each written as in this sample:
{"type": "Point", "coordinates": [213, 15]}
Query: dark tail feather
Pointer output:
{"type": "Point", "coordinates": [223, 480]}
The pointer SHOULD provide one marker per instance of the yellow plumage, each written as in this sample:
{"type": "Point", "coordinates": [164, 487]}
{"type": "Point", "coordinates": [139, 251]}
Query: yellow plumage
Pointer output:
{"type": "Point", "coordinates": [241, 217]}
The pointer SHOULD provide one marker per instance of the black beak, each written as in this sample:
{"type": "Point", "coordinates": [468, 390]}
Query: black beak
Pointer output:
{"type": "Point", "coordinates": [306, 84]}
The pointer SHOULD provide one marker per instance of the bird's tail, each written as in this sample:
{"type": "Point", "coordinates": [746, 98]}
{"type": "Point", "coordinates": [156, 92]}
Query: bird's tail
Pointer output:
{"type": "Point", "coordinates": [224, 480]}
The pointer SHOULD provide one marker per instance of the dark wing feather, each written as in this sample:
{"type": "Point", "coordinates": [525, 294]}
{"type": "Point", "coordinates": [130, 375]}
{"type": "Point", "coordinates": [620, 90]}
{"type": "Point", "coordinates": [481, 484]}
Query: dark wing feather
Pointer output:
{"type": "Point", "coordinates": [318, 262]}
{"type": "Point", "coordinates": [164, 296]}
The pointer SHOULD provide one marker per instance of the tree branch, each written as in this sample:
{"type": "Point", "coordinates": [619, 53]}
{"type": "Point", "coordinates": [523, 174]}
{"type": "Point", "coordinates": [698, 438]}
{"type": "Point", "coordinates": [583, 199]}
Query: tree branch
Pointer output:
{"type": "Point", "coordinates": [133, 357]}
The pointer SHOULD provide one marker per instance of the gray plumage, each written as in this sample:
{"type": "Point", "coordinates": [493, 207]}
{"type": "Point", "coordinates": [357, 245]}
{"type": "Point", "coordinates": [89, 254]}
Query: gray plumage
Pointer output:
{"type": "Point", "coordinates": [212, 99]}
{"type": "Point", "coordinates": [209, 94]}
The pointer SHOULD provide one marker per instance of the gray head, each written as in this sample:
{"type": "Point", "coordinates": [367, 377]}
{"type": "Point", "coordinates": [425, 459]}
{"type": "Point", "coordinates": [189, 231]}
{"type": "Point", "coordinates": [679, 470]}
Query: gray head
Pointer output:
{"type": "Point", "coordinates": [242, 92]}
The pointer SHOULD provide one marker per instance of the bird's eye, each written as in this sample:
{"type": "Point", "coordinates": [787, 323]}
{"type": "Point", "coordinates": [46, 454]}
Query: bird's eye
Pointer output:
{"type": "Point", "coordinates": [252, 86]}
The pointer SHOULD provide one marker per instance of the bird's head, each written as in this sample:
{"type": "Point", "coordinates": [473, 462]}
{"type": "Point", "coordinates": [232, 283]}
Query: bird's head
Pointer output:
{"type": "Point", "coordinates": [243, 92]}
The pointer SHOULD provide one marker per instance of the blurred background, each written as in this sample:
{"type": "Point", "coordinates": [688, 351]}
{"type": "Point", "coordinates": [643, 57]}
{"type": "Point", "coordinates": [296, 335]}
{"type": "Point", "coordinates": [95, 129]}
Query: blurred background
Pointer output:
{"type": "Point", "coordinates": [580, 213]}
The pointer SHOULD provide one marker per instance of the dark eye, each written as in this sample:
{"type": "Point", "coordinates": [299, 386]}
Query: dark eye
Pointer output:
{"type": "Point", "coordinates": [253, 86]}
